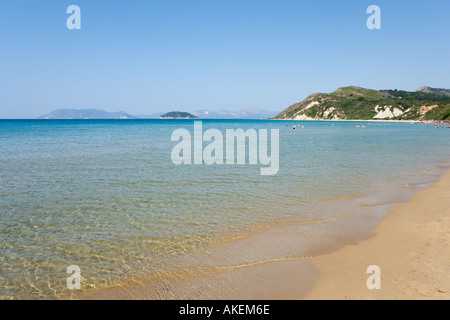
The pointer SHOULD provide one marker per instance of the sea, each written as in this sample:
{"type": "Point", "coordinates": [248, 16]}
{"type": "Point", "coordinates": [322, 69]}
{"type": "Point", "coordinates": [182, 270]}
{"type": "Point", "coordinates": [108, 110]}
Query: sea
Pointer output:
{"type": "Point", "coordinates": [106, 196]}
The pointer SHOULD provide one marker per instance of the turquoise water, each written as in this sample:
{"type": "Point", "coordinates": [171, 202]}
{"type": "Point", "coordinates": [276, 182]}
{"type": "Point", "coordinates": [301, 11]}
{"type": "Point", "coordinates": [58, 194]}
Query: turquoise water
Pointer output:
{"type": "Point", "coordinates": [105, 195]}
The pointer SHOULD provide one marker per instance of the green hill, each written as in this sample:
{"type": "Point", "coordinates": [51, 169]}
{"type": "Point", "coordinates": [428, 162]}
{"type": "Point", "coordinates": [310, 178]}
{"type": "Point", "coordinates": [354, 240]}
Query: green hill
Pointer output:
{"type": "Point", "coordinates": [355, 103]}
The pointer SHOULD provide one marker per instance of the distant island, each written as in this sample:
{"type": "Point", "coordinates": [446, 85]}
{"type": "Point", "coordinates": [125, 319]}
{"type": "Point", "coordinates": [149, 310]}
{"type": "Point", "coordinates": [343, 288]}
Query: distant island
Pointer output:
{"type": "Point", "coordinates": [178, 115]}
{"type": "Point", "coordinates": [355, 103]}
{"type": "Point", "coordinates": [247, 113]}
{"type": "Point", "coordinates": [73, 114]}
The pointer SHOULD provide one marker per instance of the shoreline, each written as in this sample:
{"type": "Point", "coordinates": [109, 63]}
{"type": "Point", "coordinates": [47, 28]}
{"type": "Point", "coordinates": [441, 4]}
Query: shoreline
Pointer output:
{"type": "Point", "coordinates": [291, 277]}
{"type": "Point", "coordinates": [411, 247]}
{"type": "Point", "coordinates": [365, 121]}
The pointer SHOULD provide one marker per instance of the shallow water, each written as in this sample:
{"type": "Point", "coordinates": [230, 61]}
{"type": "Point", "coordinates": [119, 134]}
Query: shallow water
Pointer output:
{"type": "Point", "coordinates": [105, 195]}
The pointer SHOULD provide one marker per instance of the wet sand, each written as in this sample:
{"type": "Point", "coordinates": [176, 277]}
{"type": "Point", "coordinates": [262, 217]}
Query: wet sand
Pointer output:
{"type": "Point", "coordinates": [411, 247]}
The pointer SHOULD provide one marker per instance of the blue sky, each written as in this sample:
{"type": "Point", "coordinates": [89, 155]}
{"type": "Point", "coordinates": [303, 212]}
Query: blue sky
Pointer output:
{"type": "Point", "coordinates": [144, 57]}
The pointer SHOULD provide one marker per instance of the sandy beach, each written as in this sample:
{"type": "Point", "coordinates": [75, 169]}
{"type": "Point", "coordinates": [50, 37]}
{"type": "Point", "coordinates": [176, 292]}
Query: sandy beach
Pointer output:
{"type": "Point", "coordinates": [411, 247]}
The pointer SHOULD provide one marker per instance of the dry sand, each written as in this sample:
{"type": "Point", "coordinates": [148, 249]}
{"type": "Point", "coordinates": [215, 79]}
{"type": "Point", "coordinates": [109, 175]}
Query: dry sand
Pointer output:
{"type": "Point", "coordinates": [411, 246]}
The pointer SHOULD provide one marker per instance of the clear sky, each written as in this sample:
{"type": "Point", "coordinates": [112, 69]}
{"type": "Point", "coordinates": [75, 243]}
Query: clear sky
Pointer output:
{"type": "Point", "coordinates": [150, 56]}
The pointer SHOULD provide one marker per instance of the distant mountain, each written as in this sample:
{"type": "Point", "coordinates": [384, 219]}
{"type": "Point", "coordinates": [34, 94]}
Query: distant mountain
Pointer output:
{"type": "Point", "coordinates": [355, 103]}
{"type": "Point", "coordinates": [445, 92]}
{"type": "Point", "coordinates": [178, 115]}
{"type": "Point", "coordinates": [86, 114]}
{"type": "Point", "coordinates": [248, 113]}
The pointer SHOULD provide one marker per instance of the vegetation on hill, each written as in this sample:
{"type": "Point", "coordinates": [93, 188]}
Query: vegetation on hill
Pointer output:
{"type": "Point", "coordinates": [355, 103]}
{"type": "Point", "coordinates": [417, 95]}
